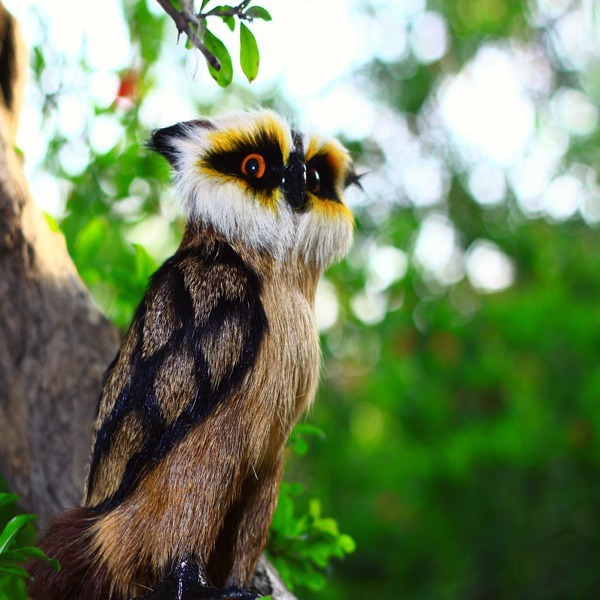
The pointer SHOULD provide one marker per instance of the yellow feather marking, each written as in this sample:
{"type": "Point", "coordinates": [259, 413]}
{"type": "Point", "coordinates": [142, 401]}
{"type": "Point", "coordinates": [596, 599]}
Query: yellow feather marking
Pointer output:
{"type": "Point", "coordinates": [331, 147]}
{"type": "Point", "coordinates": [329, 209]}
{"type": "Point", "coordinates": [266, 124]}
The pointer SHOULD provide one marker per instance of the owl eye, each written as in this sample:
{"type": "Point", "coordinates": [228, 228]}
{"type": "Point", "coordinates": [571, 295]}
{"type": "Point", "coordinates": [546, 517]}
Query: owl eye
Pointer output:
{"type": "Point", "coordinates": [313, 181]}
{"type": "Point", "coordinates": [254, 166]}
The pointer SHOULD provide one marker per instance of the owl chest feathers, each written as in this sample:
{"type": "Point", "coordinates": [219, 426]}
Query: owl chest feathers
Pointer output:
{"type": "Point", "coordinates": [289, 358]}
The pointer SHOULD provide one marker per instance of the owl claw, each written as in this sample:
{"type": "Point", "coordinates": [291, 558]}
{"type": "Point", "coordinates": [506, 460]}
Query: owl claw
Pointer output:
{"type": "Point", "coordinates": [199, 592]}
{"type": "Point", "coordinates": [236, 593]}
{"type": "Point", "coordinates": [188, 581]}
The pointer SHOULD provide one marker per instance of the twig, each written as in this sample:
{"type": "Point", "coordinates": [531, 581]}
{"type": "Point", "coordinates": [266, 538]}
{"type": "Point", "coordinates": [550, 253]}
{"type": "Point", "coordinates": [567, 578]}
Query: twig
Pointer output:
{"type": "Point", "coordinates": [236, 11]}
{"type": "Point", "coordinates": [182, 22]}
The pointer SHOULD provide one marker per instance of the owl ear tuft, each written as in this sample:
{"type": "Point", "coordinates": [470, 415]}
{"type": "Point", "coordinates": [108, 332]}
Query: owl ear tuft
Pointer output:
{"type": "Point", "coordinates": [165, 140]}
{"type": "Point", "coordinates": [353, 178]}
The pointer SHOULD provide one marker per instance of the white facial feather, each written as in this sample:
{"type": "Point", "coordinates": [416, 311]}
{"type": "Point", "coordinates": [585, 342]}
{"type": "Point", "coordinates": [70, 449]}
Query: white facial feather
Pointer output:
{"type": "Point", "coordinates": [321, 240]}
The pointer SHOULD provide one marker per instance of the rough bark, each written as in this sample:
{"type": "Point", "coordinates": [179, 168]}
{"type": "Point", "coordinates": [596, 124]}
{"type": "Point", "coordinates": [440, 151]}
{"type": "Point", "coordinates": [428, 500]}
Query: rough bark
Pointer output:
{"type": "Point", "coordinates": [54, 342]}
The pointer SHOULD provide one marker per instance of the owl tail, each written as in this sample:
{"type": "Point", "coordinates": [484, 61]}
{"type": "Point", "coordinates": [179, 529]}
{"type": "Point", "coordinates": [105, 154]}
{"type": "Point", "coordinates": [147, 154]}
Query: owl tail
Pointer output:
{"type": "Point", "coordinates": [69, 539]}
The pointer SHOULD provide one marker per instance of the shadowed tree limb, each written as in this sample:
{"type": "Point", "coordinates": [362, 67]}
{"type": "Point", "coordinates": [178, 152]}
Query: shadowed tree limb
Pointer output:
{"type": "Point", "coordinates": [54, 343]}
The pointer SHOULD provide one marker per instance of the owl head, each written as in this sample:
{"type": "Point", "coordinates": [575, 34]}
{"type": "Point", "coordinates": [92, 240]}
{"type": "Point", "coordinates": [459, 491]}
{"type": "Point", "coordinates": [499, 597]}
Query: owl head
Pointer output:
{"type": "Point", "coordinates": [253, 179]}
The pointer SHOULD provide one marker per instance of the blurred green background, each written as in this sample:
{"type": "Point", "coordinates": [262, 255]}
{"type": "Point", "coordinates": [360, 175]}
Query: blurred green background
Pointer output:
{"type": "Point", "coordinates": [461, 337]}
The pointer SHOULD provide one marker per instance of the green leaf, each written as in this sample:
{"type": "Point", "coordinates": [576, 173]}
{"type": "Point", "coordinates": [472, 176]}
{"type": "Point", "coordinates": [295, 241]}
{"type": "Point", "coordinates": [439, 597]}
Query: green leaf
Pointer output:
{"type": "Point", "coordinates": [283, 519]}
{"type": "Point", "coordinates": [53, 562]}
{"type": "Point", "coordinates": [145, 264]}
{"type": "Point", "coordinates": [309, 429]}
{"type": "Point", "coordinates": [329, 526]}
{"type": "Point", "coordinates": [6, 499]}
{"type": "Point", "coordinates": [52, 223]}
{"type": "Point", "coordinates": [314, 508]}
{"type": "Point", "coordinates": [216, 47]}
{"type": "Point", "coordinates": [299, 445]}
{"type": "Point", "coordinates": [89, 241]}
{"type": "Point", "coordinates": [221, 8]}
{"type": "Point", "coordinates": [25, 553]}
{"type": "Point", "coordinates": [12, 528]}
{"type": "Point", "coordinates": [258, 12]}
{"type": "Point", "coordinates": [229, 21]}
{"type": "Point", "coordinates": [249, 55]}
{"type": "Point", "coordinates": [204, 3]}
{"type": "Point", "coordinates": [12, 556]}
{"type": "Point", "coordinates": [346, 543]}
{"type": "Point", "coordinates": [320, 553]}
{"type": "Point", "coordinates": [314, 580]}
{"type": "Point", "coordinates": [16, 571]}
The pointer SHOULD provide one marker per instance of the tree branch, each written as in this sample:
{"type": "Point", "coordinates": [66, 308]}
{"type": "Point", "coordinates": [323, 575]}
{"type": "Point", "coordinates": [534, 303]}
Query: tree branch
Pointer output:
{"type": "Point", "coordinates": [235, 11]}
{"type": "Point", "coordinates": [184, 23]}
{"type": "Point", "coordinates": [54, 343]}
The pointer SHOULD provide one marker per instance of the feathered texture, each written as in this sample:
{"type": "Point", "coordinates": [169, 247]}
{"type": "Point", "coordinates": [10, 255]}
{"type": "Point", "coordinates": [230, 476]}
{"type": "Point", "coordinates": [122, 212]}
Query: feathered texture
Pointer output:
{"type": "Point", "coordinates": [220, 361]}
{"type": "Point", "coordinates": [193, 339]}
{"type": "Point", "coordinates": [69, 539]}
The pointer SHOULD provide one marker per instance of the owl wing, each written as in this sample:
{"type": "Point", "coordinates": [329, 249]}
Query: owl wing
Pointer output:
{"type": "Point", "coordinates": [193, 341]}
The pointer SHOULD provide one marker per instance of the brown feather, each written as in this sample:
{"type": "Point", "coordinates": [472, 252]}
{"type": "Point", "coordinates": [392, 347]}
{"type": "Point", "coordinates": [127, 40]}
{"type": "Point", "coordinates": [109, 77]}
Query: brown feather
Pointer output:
{"type": "Point", "coordinates": [68, 539]}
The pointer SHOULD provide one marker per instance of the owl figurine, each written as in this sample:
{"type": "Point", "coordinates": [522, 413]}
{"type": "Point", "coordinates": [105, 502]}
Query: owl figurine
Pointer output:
{"type": "Point", "coordinates": [220, 361]}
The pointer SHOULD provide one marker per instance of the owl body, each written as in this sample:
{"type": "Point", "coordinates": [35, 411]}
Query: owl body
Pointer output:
{"type": "Point", "coordinates": [221, 359]}
{"type": "Point", "coordinates": [252, 409]}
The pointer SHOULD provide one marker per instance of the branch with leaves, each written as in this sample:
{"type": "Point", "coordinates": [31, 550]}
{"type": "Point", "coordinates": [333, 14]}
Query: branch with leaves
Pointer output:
{"type": "Point", "coordinates": [218, 59]}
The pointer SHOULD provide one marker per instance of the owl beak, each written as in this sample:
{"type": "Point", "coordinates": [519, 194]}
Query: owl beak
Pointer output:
{"type": "Point", "coordinates": [294, 181]}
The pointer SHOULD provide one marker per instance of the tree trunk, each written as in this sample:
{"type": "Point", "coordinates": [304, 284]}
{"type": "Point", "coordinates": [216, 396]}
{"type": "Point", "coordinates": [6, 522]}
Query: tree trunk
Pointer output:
{"type": "Point", "coordinates": [54, 343]}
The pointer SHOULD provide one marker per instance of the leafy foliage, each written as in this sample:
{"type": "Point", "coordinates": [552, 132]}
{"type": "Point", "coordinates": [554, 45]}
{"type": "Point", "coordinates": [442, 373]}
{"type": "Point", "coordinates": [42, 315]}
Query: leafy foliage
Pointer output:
{"type": "Point", "coordinates": [13, 554]}
{"type": "Point", "coordinates": [471, 449]}
{"type": "Point", "coordinates": [463, 426]}
{"type": "Point", "coordinates": [218, 58]}
{"type": "Point", "coordinates": [301, 547]}
{"type": "Point", "coordinates": [224, 74]}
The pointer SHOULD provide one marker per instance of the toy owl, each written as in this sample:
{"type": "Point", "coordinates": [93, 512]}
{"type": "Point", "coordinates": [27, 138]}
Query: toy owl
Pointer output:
{"type": "Point", "coordinates": [221, 359]}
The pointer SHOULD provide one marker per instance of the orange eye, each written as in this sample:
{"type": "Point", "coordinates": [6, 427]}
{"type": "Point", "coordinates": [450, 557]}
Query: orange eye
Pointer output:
{"type": "Point", "coordinates": [254, 166]}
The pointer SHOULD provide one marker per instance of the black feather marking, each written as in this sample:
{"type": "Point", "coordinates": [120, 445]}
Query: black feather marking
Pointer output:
{"type": "Point", "coordinates": [353, 178]}
{"type": "Point", "coordinates": [230, 162]}
{"type": "Point", "coordinates": [164, 140]}
{"type": "Point", "coordinates": [294, 187]}
{"type": "Point", "coordinates": [320, 163]}
{"type": "Point", "coordinates": [139, 396]}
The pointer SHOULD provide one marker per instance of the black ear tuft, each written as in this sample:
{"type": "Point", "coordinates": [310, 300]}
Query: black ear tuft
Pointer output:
{"type": "Point", "coordinates": [353, 178]}
{"type": "Point", "coordinates": [164, 141]}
